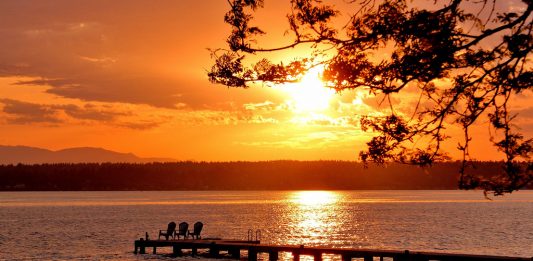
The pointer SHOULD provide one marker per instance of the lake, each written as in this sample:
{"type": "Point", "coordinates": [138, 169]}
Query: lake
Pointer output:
{"type": "Point", "coordinates": [103, 225]}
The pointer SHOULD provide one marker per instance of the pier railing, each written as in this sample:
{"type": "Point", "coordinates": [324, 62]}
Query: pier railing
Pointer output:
{"type": "Point", "coordinates": [233, 249]}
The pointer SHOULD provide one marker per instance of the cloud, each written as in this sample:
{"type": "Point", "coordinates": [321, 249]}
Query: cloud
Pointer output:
{"type": "Point", "coordinates": [328, 121]}
{"type": "Point", "coordinates": [315, 139]}
{"type": "Point", "coordinates": [525, 113]}
{"type": "Point", "coordinates": [115, 88]}
{"type": "Point", "coordinates": [84, 50]}
{"type": "Point", "coordinates": [139, 125]}
{"type": "Point", "coordinates": [20, 112]}
{"type": "Point", "coordinates": [27, 113]}
{"type": "Point", "coordinates": [123, 115]}
{"type": "Point", "coordinates": [88, 112]}
{"type": "Point", "coordinates": [224, 117]}
{"type": "Point", "coordinates": [263, 106]}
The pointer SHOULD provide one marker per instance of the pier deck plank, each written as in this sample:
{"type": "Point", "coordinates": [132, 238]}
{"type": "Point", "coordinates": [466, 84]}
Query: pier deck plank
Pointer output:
{"type": "Point", "coordinates": [253, 247]}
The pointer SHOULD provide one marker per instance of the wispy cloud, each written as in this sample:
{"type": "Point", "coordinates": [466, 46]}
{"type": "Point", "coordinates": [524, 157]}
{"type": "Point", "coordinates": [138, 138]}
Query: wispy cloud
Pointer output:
{"type": "Point", "coordinates": [20, 112]}
{"type": "Point", "coordinates": [315, 139]}
{"type": "Point", "coordinates": [27, 113]}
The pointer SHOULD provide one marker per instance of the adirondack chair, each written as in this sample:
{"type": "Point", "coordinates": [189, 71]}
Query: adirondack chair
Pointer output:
{"type": "Point", "coordinates": [171, 230]}
{"type": "Point", "coordinates": [196, 230]}
{"type": "Point", "coordinates": [182, 230]}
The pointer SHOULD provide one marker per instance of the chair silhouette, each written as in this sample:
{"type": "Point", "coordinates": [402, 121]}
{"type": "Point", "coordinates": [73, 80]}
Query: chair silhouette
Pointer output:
{"type": "Point", "coordinates": [196, 230]}
{"type": "Point", "coordinates": [171, 230]}
{"type": "Point", "coordinates": [182, 230]}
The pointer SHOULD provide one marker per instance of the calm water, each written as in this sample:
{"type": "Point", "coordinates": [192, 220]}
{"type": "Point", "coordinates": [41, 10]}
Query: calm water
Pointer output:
{"type": "Point", "coordinates": [103, 225]}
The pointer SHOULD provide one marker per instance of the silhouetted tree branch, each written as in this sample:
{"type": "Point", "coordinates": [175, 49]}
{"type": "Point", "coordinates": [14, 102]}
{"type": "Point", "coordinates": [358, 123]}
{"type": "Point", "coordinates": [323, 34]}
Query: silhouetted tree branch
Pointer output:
{"type": "Point", "coordinates": [485, 66]}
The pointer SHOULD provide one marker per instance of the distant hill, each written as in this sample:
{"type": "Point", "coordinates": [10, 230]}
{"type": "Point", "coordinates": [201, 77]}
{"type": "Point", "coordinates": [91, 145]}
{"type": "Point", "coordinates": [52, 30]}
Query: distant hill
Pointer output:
{"type": "Point", "coordinates": [32, 155]}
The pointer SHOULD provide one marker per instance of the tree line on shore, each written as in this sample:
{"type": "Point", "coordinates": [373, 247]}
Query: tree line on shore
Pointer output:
{"type": "Point", "coordinates": [266, 175]}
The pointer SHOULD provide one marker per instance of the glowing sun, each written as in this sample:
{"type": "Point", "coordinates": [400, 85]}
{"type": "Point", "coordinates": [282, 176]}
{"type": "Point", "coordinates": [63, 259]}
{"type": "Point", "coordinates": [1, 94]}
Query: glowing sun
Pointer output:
{"type": "Point", "coordinates": [310, 94]}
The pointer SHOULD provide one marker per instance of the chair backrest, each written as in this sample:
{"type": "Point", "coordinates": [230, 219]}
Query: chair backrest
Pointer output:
{"type": "Point", "coordinates": [198, 227]}
{"type": "Point", "coordinates": [171, 228]}
{"type": "Point", "coordinates": [183, 228]}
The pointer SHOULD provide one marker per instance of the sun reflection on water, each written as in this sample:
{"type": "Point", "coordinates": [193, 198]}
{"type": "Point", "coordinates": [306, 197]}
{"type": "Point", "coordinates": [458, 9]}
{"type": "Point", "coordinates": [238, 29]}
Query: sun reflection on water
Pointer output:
{"type": "Point", "coordinates": [314, 198]}
{"type": "Point", "coordinates": [313, 217]}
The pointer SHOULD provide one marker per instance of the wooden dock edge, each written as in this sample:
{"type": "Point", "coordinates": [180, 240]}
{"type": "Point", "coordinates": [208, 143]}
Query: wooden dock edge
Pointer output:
{"type": "Point", "coordinates": [253, 248]}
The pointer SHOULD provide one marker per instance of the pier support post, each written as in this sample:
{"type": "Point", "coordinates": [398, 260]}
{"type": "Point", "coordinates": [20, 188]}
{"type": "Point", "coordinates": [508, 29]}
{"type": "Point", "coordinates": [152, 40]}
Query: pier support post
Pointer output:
{"type": "Point", "coordinates": [194, 251]}
{"type": "Point", "coordinates": [142, 249]}
{"type": "Point", "coordinates": [318, 256]}
{"type": "Point", "coordinates": [406, 255]}
{"type": "Point", "coordinates": [213, 250]}
{"type": "Point", "coordinates": [273, 255]}
{"type": "Point", "coordinates": [154, 251]}
{"type": "Point", "coordinates": [402, 257]}
{"type": "Point", "coordinates": [235, 253]}
{"type": "Point", "coordinates": [296, 255]}
{"type": "Point", "coordinates": [346, 258]}
{"type": "Point", "coordinates": [252, 255]}
{"type": "Point", "coordinates": [368, 258]}
{"type": "Point", "coordinates": [176, 251]}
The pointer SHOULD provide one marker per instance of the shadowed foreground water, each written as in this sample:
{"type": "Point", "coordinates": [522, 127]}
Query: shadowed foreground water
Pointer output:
{"type": "Point", "coordinates": [103, 225]}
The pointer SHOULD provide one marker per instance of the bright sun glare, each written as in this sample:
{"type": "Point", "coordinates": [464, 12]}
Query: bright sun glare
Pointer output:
{"type": "Point", "coordinates": [314, 198]}
{"type": "Point", "coordinates": [309, 94]}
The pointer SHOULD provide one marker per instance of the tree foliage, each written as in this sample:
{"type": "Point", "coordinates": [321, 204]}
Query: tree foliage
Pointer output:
{"type": "Point", "coordinates": [265, 175]}
{"type": "Point", "coordinates": [481, 53]}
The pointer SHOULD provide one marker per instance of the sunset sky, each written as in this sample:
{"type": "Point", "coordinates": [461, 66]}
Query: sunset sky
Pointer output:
{"type": "Point", "coordinates": [131, 76]}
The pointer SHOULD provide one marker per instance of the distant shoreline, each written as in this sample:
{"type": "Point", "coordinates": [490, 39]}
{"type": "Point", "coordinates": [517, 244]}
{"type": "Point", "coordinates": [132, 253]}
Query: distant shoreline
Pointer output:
{"type": "Point", "coordinates": [237, 190]}
{"type": "Point", "coordinates": [233, 176]}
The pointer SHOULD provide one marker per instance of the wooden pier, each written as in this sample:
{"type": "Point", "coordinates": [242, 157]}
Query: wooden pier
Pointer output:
{"type": "Point", "coordinates": [233, 249]}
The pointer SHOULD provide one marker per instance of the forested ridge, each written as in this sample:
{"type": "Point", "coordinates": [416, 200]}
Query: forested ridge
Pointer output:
{"type": "Point", "coordinates": [266, 175]}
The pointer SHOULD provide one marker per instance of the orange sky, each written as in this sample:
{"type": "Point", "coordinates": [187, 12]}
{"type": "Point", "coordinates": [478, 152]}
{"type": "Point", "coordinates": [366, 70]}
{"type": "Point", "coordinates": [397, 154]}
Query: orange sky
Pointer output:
{"type": "Point", "coordinates": [130, 76]}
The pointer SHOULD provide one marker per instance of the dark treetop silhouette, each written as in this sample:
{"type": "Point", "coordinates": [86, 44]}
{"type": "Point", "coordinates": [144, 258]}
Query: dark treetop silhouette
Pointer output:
{"type": "Point", "coordinates": [267, 175]}
{"type": "Point", "coordinates": [482, 52]}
